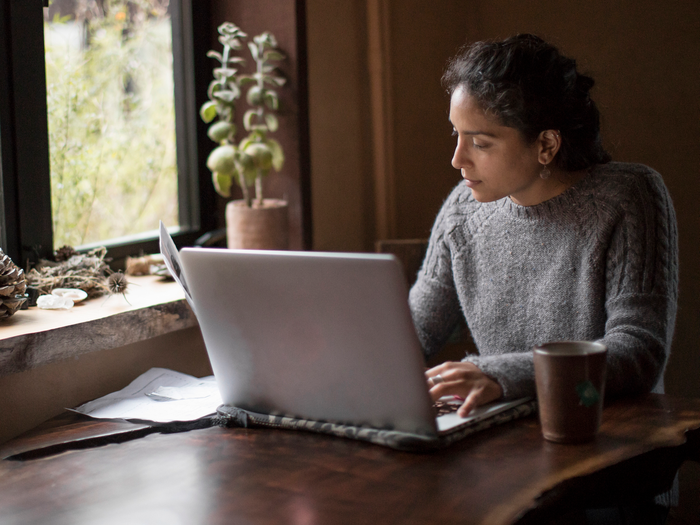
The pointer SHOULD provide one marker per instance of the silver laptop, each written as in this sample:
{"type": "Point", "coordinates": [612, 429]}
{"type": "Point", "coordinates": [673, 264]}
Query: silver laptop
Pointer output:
{"type": "Point", "coordinates": [319, 336]}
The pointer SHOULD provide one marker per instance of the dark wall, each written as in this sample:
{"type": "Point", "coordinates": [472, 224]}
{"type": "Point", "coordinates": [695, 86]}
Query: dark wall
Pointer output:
{"type": "Point", "coordinates": [644, 56]}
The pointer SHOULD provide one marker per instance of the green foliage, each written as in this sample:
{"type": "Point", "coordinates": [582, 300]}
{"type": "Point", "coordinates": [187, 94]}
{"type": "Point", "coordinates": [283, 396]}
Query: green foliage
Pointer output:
{"type": "Point", "coordinates": [257, 153]}
{"type": "Point", "coordinates": [111, 125]}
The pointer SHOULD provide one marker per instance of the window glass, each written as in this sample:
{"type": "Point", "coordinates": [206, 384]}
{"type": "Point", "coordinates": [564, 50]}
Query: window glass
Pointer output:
{"type": "Point", "coordinates": [111, 118]}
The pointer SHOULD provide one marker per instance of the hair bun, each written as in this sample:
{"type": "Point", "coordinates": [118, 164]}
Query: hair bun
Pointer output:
{"type": "Point", "coordinates": [584, 83]}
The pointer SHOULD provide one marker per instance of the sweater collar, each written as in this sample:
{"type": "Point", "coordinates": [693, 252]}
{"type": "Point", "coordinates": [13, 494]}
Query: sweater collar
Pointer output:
{"type": "Point", "coordinates": [562, 203]}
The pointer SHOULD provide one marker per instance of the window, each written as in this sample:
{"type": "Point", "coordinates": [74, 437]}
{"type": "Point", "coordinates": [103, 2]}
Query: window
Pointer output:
{"type": "Point", "coordinates": [111, 119]}
{"type": "Point", "coordinates": [28, 228]}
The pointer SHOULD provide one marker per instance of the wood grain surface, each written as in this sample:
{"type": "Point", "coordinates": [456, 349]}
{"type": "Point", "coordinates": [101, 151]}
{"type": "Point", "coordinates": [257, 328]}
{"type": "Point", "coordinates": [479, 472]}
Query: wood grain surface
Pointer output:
{"type": "Point", "coordinates": [36, 337]}
{"type": "Point", "coordinates": [507, 474]}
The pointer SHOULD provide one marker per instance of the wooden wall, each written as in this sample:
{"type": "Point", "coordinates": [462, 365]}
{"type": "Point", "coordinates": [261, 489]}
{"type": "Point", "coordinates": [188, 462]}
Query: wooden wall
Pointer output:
{"type": "Point", "coordinates": [341, 158]}
{"type": "Point", "coordinates": [644, 56]}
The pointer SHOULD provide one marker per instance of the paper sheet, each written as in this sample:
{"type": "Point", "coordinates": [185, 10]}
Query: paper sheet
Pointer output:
{"type": "Point", "coordinates": [172, 262]}
{"type": "Point", "coordinates": [159, 395]}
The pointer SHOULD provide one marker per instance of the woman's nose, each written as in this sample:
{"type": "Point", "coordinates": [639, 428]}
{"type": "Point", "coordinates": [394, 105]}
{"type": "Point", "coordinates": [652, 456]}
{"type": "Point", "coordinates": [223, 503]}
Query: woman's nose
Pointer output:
{"type": "Point", "coordinates": [460, 159]}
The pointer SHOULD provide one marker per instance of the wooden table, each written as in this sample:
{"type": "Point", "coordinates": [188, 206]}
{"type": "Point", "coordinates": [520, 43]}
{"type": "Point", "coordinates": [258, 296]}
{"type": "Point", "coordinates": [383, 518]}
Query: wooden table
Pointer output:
{"type": "Point", "coordinates": [506, 474]}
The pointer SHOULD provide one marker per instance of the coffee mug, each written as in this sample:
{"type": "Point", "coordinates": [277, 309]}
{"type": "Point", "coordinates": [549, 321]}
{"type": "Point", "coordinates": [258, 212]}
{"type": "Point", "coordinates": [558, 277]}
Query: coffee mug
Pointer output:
{"type": "Point", "coordinates": [570, 381]}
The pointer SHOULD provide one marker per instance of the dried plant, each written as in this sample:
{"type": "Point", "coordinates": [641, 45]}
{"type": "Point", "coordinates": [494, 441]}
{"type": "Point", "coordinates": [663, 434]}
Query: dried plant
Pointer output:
{"type": "Point", "coordinates": [86, 272]}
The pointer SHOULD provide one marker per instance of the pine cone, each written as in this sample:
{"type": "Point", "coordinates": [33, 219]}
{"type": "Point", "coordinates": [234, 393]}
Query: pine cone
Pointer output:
{"type": "Point", "coordinates": [12, 287]}
{"type": "Point", "coordinates": [64, 253]}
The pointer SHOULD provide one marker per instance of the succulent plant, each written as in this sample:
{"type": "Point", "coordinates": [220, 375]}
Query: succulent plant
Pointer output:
{"type": "Point", "coordinates": [249, 161]}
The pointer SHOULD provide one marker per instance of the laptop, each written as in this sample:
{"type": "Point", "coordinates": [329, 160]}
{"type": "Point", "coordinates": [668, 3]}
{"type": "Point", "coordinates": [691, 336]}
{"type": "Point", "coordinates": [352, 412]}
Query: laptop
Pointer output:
{"type": "Point", "coordinates": [318, 341]}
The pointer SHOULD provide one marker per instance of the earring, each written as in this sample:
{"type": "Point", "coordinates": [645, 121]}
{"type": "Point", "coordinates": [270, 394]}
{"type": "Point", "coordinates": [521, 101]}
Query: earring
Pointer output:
{"type": "Point", "coordinates": [545, 173]}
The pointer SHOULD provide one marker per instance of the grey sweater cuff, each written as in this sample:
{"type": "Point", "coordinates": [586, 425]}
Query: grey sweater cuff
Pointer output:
{"type": "Point", "coordinates": [513, 372]}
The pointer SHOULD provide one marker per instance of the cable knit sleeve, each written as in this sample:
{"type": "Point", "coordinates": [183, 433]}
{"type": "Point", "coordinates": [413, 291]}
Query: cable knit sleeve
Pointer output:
{"type": "Point", "coordinates": [433, 298]}
{"type": "Point", "coordinates": [641, 288]}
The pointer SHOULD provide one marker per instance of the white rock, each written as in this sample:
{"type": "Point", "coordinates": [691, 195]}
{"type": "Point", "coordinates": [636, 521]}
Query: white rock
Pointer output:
{"type": "Point", "coordinates": [54, 302]}
{"type": "Point", "coordinates": [75, 294]}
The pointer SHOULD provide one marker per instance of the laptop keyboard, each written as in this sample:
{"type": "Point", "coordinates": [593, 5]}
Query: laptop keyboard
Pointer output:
{"type": "Point", "coordinates": [443, 407]}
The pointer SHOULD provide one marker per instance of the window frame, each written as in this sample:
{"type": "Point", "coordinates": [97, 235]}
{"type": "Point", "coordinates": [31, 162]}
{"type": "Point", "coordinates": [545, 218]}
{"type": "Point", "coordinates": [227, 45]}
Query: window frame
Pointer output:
{"type": "Point", "coordinates": [26, 233]}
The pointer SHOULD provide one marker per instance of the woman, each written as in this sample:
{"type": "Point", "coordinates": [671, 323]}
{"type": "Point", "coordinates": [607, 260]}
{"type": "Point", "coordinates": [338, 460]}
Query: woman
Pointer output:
{"type": "Point", "coordinates": [545, 239]}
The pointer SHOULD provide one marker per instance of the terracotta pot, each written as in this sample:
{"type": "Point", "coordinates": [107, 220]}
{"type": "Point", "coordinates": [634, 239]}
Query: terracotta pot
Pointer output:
{"type": "Point", "coordinates": [258, 228]}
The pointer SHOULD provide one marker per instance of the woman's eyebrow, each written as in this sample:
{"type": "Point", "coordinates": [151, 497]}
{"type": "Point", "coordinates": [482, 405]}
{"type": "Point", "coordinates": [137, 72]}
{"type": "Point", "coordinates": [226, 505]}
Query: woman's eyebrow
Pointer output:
{"type": "Point", "coordinates": [478, 133]}
{"type": "Point", "coordinates": [487, 133]}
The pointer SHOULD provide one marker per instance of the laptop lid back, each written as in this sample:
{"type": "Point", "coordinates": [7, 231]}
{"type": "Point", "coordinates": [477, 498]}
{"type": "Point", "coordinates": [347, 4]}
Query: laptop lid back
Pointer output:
{"type": "Point", "coordinates": [323, 336]}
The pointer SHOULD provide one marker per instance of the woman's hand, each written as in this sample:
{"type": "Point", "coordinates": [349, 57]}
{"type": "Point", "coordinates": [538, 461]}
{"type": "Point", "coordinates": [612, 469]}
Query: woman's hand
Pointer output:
{"type": "Point", "coordinates": [464, 380]}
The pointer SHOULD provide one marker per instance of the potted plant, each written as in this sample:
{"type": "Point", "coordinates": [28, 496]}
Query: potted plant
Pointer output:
{"type": "Point", "coordinates": [254, 221]}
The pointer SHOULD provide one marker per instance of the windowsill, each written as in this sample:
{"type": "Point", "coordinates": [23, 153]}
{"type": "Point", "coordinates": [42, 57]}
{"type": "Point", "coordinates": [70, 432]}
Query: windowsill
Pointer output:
{"type": "Point", "coordinates": [35, 337]}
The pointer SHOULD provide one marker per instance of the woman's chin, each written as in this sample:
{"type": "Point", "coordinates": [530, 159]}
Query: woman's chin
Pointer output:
{"type": "Point", "coordinates": [484, 197]}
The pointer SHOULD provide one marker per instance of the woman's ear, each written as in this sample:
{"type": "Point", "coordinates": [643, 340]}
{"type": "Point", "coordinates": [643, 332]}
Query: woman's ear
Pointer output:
{"type": "Point", "coordinates": [548, 143]}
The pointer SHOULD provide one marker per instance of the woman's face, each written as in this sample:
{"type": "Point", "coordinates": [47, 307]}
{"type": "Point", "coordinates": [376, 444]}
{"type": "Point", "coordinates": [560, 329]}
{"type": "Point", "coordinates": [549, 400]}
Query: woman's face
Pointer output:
{"type": "Point", "coordinates": [495, 161]}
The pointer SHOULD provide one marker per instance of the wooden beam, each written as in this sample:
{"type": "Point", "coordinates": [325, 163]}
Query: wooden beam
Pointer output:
{"type": "Point", "coordinates": [379, 51]}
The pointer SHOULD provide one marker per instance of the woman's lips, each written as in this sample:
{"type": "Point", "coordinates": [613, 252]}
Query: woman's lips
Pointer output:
{"type": "Point", "coordinates": [471, 183]}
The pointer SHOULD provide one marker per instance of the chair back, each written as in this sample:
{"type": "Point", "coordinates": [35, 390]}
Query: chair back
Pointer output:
{"type": "Point", "coordinates": [410, 252]}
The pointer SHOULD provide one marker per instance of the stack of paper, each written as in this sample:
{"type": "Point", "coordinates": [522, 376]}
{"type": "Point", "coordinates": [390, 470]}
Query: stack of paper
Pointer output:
{"type": "Point", "coordinates": [159, 395]}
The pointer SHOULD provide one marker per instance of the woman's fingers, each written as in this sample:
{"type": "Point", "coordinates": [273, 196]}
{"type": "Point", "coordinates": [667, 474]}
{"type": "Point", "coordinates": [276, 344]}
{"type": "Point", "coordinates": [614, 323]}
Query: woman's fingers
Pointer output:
{"type": "Point", "coordinates": [465, 380]}
{"type": "Point", "coordinates": [471, 402]}
{"type": "Point", "coordinates": [483, 392]}
{"type": "Point", "coordinates": [452, 379]}
{"type": "Point", "coordinates": [444, 388]}
{"type": "Point", "coordinates": [438, 374]}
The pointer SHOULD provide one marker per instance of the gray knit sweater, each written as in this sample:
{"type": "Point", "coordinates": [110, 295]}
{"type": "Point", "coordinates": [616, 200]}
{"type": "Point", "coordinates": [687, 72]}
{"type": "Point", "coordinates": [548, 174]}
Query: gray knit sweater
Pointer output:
{"type": "Point", "coordinates": [598, 262]}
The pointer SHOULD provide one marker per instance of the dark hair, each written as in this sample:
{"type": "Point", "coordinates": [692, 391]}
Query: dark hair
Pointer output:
{"type": "Point", "coordinates": [528, 85]}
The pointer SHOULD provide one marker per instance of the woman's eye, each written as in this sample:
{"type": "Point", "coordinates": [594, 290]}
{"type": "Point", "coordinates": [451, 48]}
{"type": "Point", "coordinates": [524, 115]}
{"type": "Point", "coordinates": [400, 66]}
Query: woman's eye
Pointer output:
{"type": "Point", "coordinates": [479, 146]}
{"type": "Point", "coordinates": [454, 132]}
